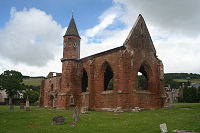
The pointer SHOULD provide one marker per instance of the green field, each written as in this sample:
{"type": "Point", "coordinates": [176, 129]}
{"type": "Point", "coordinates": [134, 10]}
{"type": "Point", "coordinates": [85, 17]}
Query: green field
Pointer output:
{"type": "Point", "coordinates": [33, 81]}
{"type": "Point", "coordinates": [185, 80]}
{"type": "Point", "coordinates": [38, 120]}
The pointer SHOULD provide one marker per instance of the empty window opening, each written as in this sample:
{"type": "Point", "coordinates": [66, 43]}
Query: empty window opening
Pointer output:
{"type": "Point", "coordinates": [51, 87]}
{"type": "Point", "coordinates": [84, 81]}
{"type": "Point", "coordinates": [108, 78]}
{"type": "Point", "coordinates": [142, 79]}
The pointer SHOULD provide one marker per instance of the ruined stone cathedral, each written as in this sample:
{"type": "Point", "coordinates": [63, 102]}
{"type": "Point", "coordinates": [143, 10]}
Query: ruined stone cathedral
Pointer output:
{"type": "Point", "coordinates": [107, 80]}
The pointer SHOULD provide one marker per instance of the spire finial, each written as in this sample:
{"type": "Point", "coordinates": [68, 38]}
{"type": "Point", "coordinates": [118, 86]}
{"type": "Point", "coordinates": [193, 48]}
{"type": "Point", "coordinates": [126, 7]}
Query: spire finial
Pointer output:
{"type": "Point", "coordinates": [72, 12]}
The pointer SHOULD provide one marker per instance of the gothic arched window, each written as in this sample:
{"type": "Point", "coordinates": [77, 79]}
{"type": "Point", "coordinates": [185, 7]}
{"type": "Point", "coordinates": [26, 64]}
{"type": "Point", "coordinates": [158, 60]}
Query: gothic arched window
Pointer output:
{"type": "Point", "coordinates": [84, 83]}
{"type": "Point", "coordinates": [108, 77]}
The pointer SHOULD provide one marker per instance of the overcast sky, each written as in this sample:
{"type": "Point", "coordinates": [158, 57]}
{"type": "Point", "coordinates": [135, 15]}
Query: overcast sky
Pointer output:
{"type": "Point", "coordinates": [31, 31]}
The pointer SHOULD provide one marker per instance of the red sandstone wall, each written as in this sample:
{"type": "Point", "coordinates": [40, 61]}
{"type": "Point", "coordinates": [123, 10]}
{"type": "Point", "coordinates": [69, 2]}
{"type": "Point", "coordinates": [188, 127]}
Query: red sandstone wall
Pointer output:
{"type": "Point", "coordinates": [125, 69]}
{"type": "Point", "coordinates": [125, 61]}
{"type": "Point", "coordinates": [48, 91]}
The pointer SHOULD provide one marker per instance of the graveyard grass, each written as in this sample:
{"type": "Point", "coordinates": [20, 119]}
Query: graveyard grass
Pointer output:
{"type": "Point", "coordinates": [38, 120]}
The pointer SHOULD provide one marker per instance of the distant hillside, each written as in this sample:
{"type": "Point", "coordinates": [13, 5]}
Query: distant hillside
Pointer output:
{"type": "Point", "coordinates": [33, 81]}
{"type": "Point", "coordinates": [182, 76]}
{"type": "Point", "coordinates": [176, 79]}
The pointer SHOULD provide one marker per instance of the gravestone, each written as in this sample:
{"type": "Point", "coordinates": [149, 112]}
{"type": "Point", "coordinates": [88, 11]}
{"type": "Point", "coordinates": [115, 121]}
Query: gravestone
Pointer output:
{"type": "Point", "coordinates": [197, 116]}
{"type": "Point", "coordinates": [76, 114]}
{"type": "Point", "coordinates": [163, 128]}
{"type": "Point", "coordinates": [84, 108]}
{"type": "Point", "coordinates": [118, 110]}
{"type": "Point", "coordinates": [11, 107]}
{"type": "Point", "coordinates": [27, 104]}
{"type": "Point", "coordinates": [58, 120]}
{"type": "Point", "coordinates": [136, 109]}
{"type": "Point", "coordinates": [21, 106]}
{"type": "Point", "coordinates": [171, 100]}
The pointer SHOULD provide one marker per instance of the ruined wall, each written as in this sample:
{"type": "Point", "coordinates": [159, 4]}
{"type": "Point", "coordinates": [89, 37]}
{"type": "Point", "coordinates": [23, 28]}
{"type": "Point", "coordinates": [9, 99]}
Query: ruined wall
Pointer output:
{"type": "Point", "coordinates": [125, 69]}
{"type": "Point", "coordinates": [136, 55]}
{"type": "Point", "coordinates": [49, 92]}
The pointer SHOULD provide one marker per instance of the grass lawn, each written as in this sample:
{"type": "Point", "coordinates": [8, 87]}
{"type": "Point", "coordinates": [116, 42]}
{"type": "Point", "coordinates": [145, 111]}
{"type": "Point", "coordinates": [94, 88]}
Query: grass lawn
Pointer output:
{"type": "Point", "coordinates": [38, 120]}
{"type": "Point", "coordinates": [33, 81]}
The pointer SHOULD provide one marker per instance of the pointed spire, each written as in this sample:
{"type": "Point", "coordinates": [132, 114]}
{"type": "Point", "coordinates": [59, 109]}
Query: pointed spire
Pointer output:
{"type": "Point", "coordinates": [72, 30]}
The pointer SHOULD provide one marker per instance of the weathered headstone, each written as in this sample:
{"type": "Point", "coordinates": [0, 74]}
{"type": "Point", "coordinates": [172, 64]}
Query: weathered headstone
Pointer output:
{"type": "Point", "coordinates": [136, 109]}
{"type": "Point", "coordinates": [84, 108]}
{"type": "Point", "coordinates": [11, 107]}
{"type": "Point", "coordinates": [171, 100]}
{"type": "Point", "coordinates": [197, 116]}
{"type": "Point", "coordinates": [163, 128]}
{"type": "Point", "coordinates": [21, 106]}
{"type": "Point", "coordinates": [27, 104]}
{"type": "Point", "coordinates": [76, 114]}
{"type": "Point", "coordinates": [118, 110]}
{"type": "Point", "coordinates": [58, 120]}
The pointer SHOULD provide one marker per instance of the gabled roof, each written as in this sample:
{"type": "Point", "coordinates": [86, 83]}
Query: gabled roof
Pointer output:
{"type": "Point", "coordinates": [71, 29]}
{"type": "Point", "coordinates": [139, 37]}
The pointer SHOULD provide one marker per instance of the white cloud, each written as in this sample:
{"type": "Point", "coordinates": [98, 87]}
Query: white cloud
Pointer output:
{"type": "Point", "coordinates": [30, 37]}
{"type": "Point", "coordinates": [100, 27]}
{"type": "Point", "coordinates": [100, 38]}
{"type": "Point", "coordinates": [30, 42]}
{"type": "Point", "coordinates": [173, 25]}
{"type": "Point", "coordinates": [180, 16]}
{"type": "Point", "coordinates": [179, 55]}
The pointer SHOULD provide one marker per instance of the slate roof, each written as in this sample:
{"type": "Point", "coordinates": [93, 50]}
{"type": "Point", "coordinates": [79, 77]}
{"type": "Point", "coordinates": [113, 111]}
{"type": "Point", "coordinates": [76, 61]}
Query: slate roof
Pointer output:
{"type": "Point", "coordinates": [72, 30]}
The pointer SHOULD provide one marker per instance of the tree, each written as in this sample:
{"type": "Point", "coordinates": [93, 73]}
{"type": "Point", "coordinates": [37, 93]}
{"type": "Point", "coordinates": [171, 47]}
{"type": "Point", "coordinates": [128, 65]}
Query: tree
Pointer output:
{"type": "Point", "coordinates": [33, 95]}
{"type": "Point", "coordinates": [198, 94]}
{"type": "Point", "coordinates": [189, 94]}
{"type": "Point", "coordinates": [11, 82]}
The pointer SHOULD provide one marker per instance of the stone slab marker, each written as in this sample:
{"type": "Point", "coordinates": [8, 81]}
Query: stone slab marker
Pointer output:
{"type": "Point", "coordinates": [163, 128]}
{"type": "Point", "coordinates": [58, 120]}
{"type": "Point", "coordinates": [11, 107]}
{"type": "Point", "coordinates": [21, 106]}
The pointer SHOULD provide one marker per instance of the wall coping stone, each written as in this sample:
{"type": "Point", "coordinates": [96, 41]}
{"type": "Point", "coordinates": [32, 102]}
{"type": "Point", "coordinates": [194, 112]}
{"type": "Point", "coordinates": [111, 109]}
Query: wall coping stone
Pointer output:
{"type": "Point", "coordinates": [62, 94]}
{"type": "Point", "coordinates": [85, 93]}
{"type": "Point", "coordinates": [141, 92]}
{"type": "Point", "coordinates": [107, 92]}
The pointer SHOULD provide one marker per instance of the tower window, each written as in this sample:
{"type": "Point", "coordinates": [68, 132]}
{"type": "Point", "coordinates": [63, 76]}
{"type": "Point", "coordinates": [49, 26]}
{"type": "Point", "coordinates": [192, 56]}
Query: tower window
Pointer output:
{"type": "Point", "coordinates": [69, 40]}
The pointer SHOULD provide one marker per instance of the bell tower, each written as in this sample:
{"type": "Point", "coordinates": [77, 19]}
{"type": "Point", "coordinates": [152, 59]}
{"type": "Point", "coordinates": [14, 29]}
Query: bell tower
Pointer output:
{"type": "Point", "coordinates": [71, 42]}
{"type": "Point", "coordinates": [70, 63]}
